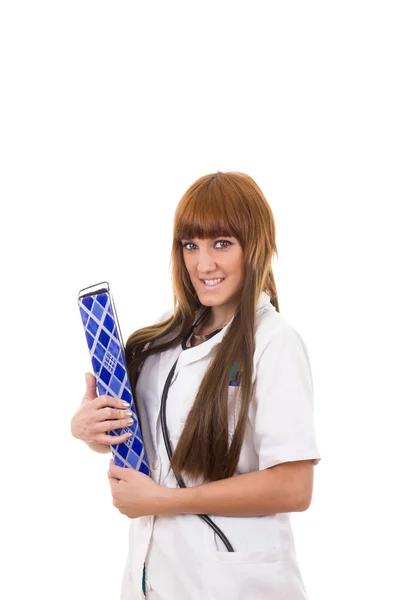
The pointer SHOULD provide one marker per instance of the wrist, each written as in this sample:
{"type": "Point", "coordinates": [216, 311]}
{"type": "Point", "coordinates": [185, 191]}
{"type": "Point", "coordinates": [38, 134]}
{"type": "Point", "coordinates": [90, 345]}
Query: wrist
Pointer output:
{"type": "Point", "coordinates": [174, 501]}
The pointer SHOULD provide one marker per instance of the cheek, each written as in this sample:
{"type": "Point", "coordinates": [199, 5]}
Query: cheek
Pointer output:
{"type": "Point", "coordinates": [187, 262]}
{"type": "Point", "coordinates": [237, 266]}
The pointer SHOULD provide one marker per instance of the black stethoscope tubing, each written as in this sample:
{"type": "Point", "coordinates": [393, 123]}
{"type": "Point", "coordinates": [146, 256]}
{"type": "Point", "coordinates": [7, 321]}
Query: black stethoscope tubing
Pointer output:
{"type": "Point", "coordinates": [169, 449]}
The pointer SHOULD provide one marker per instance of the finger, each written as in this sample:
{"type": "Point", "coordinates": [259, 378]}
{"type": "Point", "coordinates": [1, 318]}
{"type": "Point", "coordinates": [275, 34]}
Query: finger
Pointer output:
{"type": "Point", "coordinates": [120, 473]}
{"type": "Point", "coordinates": [110, 401]}
{"type": "Point", "coordinates": [112, 479]}
{"type": "Point", "coordinates": [110, 439]}
{"type": "Point", "coordinates": [113, 485]}
{"type": "Point", "coordinates": [90, 392]}
{"type": "Point", "coordinates": [116, 472]}
{"type": "Point", "coordinates": [107, 413]}
{"type": "Point", "coordinates": [102, 426]}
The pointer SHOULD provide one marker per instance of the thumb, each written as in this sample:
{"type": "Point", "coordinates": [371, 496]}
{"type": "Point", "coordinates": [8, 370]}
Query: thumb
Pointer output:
{"type": "Point", "coordinates": [90, 393]}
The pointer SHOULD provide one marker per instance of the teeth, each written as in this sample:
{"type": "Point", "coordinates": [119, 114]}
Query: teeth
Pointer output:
{"type": "Point", "coordinates": [212, 281]}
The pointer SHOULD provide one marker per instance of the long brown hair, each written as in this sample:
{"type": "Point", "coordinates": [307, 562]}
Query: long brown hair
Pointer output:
{"type": "Point", "coordinates": [217, 204]}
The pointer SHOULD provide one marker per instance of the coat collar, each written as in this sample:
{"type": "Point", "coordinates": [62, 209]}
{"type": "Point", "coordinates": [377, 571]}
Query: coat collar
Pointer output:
{"type": "Point", "coordinates": [197, 352]}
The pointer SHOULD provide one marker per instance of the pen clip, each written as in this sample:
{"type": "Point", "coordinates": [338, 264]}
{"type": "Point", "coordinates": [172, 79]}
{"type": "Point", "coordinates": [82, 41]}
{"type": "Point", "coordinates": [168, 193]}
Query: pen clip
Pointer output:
{"type": "Point", "coordinates": [236, 380]}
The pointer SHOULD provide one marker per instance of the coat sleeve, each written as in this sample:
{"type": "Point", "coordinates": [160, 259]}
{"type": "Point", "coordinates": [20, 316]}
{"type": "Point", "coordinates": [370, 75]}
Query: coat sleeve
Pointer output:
{"type": "Point", "coordinates": [282, 410]}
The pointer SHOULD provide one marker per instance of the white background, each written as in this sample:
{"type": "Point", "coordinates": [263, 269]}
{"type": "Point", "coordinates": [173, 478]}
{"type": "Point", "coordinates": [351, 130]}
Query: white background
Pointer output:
{"type": "Point", "coordinates": [109, 111]}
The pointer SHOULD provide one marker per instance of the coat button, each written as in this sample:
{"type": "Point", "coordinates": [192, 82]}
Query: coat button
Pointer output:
{"type": "Point", "coordinates": [154, 465]}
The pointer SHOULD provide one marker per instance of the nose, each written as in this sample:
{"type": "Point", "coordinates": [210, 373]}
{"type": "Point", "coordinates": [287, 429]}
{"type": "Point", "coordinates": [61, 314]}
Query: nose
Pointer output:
{"type": "Point", "coordinates": [205, 263]}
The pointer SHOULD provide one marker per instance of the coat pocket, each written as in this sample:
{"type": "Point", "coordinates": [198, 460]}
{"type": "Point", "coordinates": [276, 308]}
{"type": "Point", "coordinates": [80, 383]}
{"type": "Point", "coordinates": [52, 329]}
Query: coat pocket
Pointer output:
{"type": "Point", "coordinates": [238, 575]}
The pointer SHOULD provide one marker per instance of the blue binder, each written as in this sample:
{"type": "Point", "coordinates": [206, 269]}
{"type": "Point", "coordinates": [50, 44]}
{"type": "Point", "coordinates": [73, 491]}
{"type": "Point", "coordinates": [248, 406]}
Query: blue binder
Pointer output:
{"type": "Point", "coordinates": [107, 354]}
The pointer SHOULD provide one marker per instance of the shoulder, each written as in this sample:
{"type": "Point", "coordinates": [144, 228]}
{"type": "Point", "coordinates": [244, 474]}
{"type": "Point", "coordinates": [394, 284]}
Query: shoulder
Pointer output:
{"type": "Point", "coordinates": [164, 316]}
{"type": "Point", "coordinates": [276, 335]}
{"type": "Point", "coordinates": [270, 325]}
{"type": "Point", "coordinates": [172, 332]}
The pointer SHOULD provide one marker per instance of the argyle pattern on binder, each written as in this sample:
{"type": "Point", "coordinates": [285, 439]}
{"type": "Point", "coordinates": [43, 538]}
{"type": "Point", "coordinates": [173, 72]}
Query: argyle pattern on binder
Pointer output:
{"type": "Point", "coordinates": [106, 353]}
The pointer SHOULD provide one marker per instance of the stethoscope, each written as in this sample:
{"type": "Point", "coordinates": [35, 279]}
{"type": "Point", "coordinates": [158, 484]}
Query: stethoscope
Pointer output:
{"type": "Point", "coordinates": [166, 437]}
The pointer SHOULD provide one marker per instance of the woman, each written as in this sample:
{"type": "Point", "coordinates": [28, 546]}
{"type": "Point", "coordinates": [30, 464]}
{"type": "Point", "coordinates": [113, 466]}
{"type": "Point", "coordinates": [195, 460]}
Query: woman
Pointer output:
{"type": "Point", "coordinates": [239, 414]}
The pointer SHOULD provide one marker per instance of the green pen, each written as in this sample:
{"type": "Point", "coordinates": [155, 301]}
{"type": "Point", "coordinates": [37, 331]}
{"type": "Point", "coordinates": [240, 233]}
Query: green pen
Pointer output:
{"type": "Point", "coordinates": [234, 382]}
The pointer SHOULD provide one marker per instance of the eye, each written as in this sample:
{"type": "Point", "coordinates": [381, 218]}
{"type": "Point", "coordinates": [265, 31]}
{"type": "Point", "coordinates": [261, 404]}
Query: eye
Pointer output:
{"type": "Point", "coordinates": [184, 245]}
{"type": "Point", "coordinates": [224, 242]}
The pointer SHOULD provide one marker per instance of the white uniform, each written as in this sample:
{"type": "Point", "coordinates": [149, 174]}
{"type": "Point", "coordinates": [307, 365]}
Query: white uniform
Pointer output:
{"type": "Point", "coordinates": [185, 559]}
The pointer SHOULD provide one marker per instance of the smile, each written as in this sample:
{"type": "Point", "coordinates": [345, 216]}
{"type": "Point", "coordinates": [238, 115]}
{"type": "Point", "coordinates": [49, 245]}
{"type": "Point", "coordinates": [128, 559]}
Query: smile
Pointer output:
{"type": "Point", "coordinates": [212, 283]}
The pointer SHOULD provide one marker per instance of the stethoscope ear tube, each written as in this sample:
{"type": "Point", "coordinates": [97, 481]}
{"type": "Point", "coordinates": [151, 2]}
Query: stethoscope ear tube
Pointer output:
{"type": "Point", "coordinates": [169, 452]}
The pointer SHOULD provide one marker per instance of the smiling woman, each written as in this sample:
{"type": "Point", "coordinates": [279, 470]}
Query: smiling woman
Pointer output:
{"type": "Point", "coordinates": [224, 395]}
{"type": "Point", "coordinates": [243, 446]}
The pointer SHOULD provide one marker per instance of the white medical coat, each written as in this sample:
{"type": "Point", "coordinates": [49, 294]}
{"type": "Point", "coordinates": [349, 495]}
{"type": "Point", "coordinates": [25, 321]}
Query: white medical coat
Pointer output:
{"type": "Point", "coordinates": [185, 559]}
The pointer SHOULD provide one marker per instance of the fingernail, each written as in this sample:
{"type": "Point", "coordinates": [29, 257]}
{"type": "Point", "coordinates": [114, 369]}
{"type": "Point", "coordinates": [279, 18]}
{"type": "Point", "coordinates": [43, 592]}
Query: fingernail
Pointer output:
{"type": "Point", "coordinates": [125, 403]}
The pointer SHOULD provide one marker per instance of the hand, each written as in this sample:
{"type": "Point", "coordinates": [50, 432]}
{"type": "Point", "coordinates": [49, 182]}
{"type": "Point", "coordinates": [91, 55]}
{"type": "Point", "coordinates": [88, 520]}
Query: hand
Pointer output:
{"type": "Point", "coordinates": [98, 414]}
{"type": "Point", "coordinates": [135, 494]}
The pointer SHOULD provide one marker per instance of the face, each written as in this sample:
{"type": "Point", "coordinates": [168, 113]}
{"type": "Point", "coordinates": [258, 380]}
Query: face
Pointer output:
{"type": "Point", "coordinates": [212, 259]}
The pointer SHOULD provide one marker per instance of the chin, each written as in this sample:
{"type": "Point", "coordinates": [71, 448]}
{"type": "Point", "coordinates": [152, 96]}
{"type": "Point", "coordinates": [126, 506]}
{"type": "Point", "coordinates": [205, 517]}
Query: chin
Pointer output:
{"type": "Point", "coordinates": [208, 300]}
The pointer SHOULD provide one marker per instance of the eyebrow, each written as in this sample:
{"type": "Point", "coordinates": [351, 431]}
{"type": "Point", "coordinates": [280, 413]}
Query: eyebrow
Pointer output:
{"type": "Point", "coordinates": [215, 238]}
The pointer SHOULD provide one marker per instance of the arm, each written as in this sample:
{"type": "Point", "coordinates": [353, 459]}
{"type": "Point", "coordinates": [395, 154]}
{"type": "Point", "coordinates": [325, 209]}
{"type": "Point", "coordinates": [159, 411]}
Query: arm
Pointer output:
{"type": "Point", "coordinates": [284, 440]}
{"type": "Point", "coordinates": [286, 487]}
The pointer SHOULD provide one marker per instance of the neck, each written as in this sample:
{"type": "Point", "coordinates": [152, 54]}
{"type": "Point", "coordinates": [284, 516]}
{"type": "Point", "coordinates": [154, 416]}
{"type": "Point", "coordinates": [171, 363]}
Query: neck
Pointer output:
{"type": "Point", "coordinates": [219, 316]}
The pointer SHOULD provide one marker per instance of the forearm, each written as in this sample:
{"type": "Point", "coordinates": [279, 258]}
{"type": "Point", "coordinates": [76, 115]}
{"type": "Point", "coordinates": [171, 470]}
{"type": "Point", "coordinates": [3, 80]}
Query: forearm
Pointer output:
{"type": "Point", "coordinates": [258, 493]}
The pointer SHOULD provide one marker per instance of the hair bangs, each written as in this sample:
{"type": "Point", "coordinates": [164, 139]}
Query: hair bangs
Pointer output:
{"type": "Point", "coordinates": [206, 214]}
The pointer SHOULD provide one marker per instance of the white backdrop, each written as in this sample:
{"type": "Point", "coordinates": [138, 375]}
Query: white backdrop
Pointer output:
{"type": "Point", "coordinates": [109, 111]}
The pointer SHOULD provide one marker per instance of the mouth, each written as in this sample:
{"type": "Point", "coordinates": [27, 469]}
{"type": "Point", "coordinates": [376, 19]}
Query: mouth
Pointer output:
{"type": "Point", "coordinates": [215, 283]}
